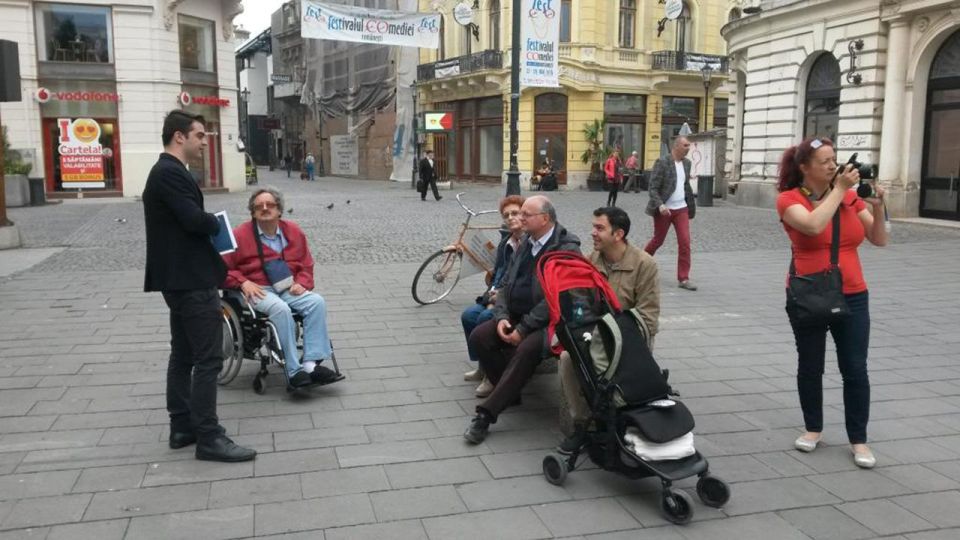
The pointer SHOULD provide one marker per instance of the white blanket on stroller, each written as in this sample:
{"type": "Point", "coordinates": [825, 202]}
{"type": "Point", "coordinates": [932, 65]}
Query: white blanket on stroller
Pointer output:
{"type": "Point", "coordinates": [678, 448]}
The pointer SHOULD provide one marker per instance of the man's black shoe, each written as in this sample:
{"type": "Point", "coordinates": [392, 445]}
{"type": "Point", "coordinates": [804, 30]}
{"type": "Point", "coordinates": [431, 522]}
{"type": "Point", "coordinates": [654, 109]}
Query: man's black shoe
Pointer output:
{"type": "Point", "coordinates": [573, 443]}
{"type": "Point", "coordinates": [478, 429]}
{"type": "Point", "coordinates": [181, 439]}
{"type": "Point", "coordinates": [440, 197]}
{"type": "Point", "coordinates": [324, 375]}
{"type": "Point", "coordinates": [300, 378]}
{"type": "Point", "coordinates": [223, 449]}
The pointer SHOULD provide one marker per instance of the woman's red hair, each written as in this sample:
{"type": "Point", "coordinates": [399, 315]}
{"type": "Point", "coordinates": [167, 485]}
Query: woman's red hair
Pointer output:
{"type": "Point", "coordinates": [789, 173]}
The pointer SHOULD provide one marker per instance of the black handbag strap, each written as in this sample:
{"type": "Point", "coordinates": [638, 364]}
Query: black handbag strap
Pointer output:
{"type": "Point", "coordinates": [834, 245]}
{"type": "Point", "coordinates": [256, 238]}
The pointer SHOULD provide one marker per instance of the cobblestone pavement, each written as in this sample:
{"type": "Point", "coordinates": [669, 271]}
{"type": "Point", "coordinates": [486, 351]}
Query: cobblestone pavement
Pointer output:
{"type": "Point", "coordinates": [83, 425]}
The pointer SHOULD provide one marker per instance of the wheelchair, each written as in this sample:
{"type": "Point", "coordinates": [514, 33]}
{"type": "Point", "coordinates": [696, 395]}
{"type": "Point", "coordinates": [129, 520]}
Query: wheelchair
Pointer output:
{"type": "Point", "coordinates": [249, 334]}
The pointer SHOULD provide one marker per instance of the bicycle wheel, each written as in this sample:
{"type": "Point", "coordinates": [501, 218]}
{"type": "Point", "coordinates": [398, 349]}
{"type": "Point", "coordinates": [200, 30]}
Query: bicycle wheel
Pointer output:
{"type": "Point", "coordinates": [437, 276]}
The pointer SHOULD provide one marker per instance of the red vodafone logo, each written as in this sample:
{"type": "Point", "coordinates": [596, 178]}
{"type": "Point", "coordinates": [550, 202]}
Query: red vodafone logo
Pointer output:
{"type": "Point", "coordinates": [43, 95]}
{"type": "Point", "coordinates": [185, 98]}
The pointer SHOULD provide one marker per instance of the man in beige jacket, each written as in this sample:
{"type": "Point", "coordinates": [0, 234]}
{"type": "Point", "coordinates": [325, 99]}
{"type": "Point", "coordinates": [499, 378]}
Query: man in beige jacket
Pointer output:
{"type": "Point", "coordinates": [632, 274]}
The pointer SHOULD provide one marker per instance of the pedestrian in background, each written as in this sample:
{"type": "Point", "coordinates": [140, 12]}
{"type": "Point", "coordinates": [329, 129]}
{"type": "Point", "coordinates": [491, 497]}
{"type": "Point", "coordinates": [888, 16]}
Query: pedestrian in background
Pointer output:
{"type": "Point", "coordinates": [428, 176]}
{"type": "Point", "coordinates": [612, 170]}
{"type": "Point", "coordinates": [670, 193]}
{"type": "Point", "coordinates": [812, 190]}
{"type": "Point", "coordinates": [310, 163]}
{"type": "Point", "coordinates": [288, 163]}
{"type": "Point", "coordinates": [633, 173]}
{"type": "Point", "coordinates": [185, 267]}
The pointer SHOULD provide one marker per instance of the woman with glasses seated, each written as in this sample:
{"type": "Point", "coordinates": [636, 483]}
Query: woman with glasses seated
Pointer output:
{"type": "Point", "coordinates": [269, 248]}
{"type": "Point", "coordinates": [482, 310]}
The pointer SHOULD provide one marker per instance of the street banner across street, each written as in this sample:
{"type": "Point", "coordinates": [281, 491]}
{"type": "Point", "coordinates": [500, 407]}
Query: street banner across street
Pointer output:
{"type": "Point", "coordinates": [363, 25]}
{"type": "Point", "coordinates": [540, 36]}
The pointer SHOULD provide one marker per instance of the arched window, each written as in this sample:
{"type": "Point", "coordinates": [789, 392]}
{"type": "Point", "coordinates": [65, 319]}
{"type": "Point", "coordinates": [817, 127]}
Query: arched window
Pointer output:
{"type": "Point", "coordinates": [494, 25]}
{"type": "Point", "coordinates": [938, 184]}
{"type": "Point", "coordinates": [684, 29]}
{"type": "Point", "coordinates": [628, 23]}
{"type": "Point", "coordinates": [822, 107]}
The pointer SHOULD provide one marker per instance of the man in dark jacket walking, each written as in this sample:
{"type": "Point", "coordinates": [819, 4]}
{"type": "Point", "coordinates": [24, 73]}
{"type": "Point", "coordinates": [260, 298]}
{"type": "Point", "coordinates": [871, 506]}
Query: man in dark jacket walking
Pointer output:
{"type": "Point", "coordinates": [512, 345]}
{"type": "Point", "coordinates": [428, 176]}
{"type": "Point", "coordinates": [671, 203]}
{"type": "Point", "coordinates": [184, 266]}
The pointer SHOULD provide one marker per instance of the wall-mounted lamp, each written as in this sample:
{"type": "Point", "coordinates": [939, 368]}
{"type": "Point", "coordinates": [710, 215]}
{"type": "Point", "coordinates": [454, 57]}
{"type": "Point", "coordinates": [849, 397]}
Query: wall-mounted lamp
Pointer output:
{"type": "Point", "coordinates": [852, 76]}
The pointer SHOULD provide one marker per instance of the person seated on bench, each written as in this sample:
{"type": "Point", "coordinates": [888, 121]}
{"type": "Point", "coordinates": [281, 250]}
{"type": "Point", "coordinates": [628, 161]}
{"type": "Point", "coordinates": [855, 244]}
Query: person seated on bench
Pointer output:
{"type": "Point", "coordinates": [542, 172]}
{"type": "Point", "coordinates": [273, 268]}
{"type": "Point", "coordinates": [512, 344]}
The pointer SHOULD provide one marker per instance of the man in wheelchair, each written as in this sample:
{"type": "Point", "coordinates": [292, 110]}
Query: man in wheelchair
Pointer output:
{"type": "Point", "coordinates": [273, 269]}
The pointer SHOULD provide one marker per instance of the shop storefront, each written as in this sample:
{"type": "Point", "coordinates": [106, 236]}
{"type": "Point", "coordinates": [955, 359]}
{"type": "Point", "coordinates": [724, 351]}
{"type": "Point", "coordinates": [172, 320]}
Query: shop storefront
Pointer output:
{"type": "Point", "coordinates": [204, 101]}
{"type": "Point", "coordinates": [474, 150]}
{"type": "Point", "coordinates": [80, 132]}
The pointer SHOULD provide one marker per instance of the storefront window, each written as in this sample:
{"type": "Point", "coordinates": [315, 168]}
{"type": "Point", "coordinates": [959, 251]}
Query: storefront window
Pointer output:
{"type": "Point", "coordinates": [677, 111]}
{"type": "Point", "coordinates": [196, 44]}
{"type": "Point", "coordinates": [491, 150]}
{"type": "Point", "coordinates": [624, 104]}
{"type": "Point", "coordinates": [626, 122]}
{"type": "Point", "coordinates": [72, 33]}
{"type": "Point", "coordinates": [720, 111]}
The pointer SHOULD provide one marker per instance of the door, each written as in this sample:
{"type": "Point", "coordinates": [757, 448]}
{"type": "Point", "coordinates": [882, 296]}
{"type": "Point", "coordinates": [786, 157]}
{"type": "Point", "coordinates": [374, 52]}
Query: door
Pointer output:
{"type": "Point", "coordinates": [109, 140]}
{"type": "Point", "coordinates": [941, 178]}
{"type": "Point", "coordinates": [206, 170]}
{"type": "Point", "coordinates": [550, 133]}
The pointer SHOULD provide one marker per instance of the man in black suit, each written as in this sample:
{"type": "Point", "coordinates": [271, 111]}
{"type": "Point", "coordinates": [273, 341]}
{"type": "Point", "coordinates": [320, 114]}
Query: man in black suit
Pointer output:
{"type": "Point", "coordinates": [428, 176]}
{"type": "Point", "coordinates": [183, 265]}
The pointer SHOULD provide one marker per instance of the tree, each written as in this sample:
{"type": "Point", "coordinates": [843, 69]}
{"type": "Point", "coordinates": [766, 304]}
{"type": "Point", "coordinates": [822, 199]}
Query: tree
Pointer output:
{"type": "Point", "coordinates": [596, 152]}
{"type": "Point", "coordinates": [12, 162]}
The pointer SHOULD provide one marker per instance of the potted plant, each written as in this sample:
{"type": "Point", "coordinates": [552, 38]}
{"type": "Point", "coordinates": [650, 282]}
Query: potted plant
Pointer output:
{"type": "Point", "coordinates": [15, 170]}
{"type": "Point", "coordinates": [595, 154]}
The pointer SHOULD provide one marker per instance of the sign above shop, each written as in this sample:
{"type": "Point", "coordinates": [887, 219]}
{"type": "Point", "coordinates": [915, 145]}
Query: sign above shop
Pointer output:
{"type": "Point", "coordinates": [463, 13]}
{"type": "Point", "coordinates": [44, 95]}
{"type": "Point", "coordinates": [673, 9]}
{"type": "Point", "coordinates": [277, 77]}
{"type": "Point", "coordinates": [437, 121]}
{"type": "Point", "coordinates": [186, 99]}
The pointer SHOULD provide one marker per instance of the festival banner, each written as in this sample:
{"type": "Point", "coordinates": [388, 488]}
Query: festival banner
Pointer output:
{"type": "Point", "coordinates": [540, 36]}
{"type": "Point", "coordinates": [364, 25]}
{"type": "Point", "coordinates": [81, 155]}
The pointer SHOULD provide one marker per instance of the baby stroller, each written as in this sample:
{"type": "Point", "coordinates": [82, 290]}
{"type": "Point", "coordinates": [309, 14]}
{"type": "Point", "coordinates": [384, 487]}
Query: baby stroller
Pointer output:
{"type": "Point", "coordinates": [636, 429]}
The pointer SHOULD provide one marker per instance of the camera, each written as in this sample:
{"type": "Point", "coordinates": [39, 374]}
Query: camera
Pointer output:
{"type": "Point", "coordinates": [867, 172]}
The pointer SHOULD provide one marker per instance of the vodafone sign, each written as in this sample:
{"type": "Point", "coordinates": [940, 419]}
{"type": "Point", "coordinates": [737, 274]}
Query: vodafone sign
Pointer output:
{"type": "Point", "coordinates": [186, 99]}
{"type": "Point", "coordinates": [44, 95]}
{"type": "Point", "coordinates": [437, 121]}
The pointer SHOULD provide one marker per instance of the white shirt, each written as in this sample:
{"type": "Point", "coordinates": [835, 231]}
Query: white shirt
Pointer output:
{"type": "Point", "coordinates": [539, 242]}
{"type": "Point", "coordinates": [430, 161]}
{"type": "Point", "coordinates": [677, 199]}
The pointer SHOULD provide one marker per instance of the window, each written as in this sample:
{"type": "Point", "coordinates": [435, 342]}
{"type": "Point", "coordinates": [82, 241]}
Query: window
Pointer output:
{"type": "Point", "coordinates": [629, 104]}
{"type": "Point", "coordinates": [677, 111]}
{"type": "Point", "coordinates": [466, 46]}
{"type": "Point", "coordinates": [494, 25]}
{"type": "Point", "coordinates": [626, 122]}
{"type": "Point", "coordinates": [72, 33]}
{"type": "Point", "coordinates": [684, 30]}
{"type": "Point", "coordinates": [566, 6]}
{"type": "Point", "coordinates": [720, 110]}
{"type": "Point", "coordinates": [197, 44]}
{"type": "Point", "coordinates": [822, 107]}
{"type": "Point", "coordinates": [628, 18]}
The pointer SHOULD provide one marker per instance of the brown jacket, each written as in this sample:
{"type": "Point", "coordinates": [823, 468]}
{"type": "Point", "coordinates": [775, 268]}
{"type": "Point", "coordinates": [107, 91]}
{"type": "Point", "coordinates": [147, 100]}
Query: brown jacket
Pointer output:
{"type": "Point", "coordinates": [635, 281]}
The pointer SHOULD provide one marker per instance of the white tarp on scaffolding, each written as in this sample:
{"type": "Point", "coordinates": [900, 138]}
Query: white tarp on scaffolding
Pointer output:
{"type": "Point", "coordinates": [404, 138]}
{"type": "Point", "coordinates": [366, 25]}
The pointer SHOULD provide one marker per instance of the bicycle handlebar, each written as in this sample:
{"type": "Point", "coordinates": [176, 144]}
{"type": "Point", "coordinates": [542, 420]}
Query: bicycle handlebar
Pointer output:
{"type": "Point", "coordinates": [471, 212]}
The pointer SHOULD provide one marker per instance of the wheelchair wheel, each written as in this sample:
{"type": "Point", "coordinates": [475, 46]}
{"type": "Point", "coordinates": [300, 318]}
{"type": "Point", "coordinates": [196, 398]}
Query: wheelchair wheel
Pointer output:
{"type": "Point", "coordinates": [437, 276]}
{"type": "Point", "coordinates": [259, 385]}
{"type": "Point", "coordinates": [232, 344]}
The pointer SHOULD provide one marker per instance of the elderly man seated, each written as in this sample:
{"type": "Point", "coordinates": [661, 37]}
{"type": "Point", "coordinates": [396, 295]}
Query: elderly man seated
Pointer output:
{"type": "Point", "coordinates": [273, 268]}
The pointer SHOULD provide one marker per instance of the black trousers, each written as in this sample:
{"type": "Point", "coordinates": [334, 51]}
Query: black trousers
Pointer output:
{"type": "Point", "coordinates": [508, 367]}
{"type": "Point", "coordinates": [612, 197]}
{"type": "Point", "coordinates": [423, 189]}
{"type": "Point", "coordinates": [196, 356]}
{"type": "Point", "coordinates": [852, 338]}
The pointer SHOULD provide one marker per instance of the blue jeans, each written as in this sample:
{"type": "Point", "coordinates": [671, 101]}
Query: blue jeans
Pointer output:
{"type": "Point", "coordinates": [310, 173]}
{"type": "Point", "coordinates": [313, 308]}
{"type": "Point", "coordinates": [852, 338]}
{"type": "Point", "coordinates": [470, 319]}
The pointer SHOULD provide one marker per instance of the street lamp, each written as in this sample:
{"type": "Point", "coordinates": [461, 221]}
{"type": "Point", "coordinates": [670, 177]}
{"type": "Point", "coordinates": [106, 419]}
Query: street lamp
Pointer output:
{"type": "Point", "coordinates": [707, 73]}
{"type": "Point", "coordinates": [245, 98]}
{"type": "Point", "coordinates": [513, 175]}
{"type": "Point", "coordinates": [416, 137]}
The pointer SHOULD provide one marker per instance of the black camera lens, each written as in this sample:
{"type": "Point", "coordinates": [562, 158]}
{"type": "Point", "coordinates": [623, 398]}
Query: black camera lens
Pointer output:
{"type": "Point", "coordinates": [865, 190]}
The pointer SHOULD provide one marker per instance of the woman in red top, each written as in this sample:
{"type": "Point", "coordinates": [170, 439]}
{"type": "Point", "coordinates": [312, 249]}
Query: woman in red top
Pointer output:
{"type": "Point", "coordinates": [811, 191]}
{"type": "Point", "coordinates": [611, 169]}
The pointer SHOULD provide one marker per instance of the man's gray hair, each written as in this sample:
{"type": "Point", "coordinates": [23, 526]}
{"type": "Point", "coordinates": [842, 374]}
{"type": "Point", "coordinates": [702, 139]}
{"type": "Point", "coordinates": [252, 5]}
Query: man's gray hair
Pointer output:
{"type": "Point", "coordinates": [277, 196]}
{"type": "Point", "coordinates": [547, 208]}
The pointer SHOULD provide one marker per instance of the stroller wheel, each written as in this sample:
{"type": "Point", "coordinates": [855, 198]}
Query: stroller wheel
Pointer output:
{"type": "Point", "coordinates": [677, 507]}
{"type": "Point", "coordinates": [258, 385]}
{"type": "Point", "coordinates": [713, 491]}
{"type": "Point", "coordinates": [555, 469]}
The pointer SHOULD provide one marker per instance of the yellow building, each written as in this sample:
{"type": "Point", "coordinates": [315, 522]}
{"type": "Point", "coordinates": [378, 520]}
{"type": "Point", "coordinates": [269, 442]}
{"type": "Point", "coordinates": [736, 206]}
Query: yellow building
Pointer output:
{"type": "Point", "coordinates": [621, 61]}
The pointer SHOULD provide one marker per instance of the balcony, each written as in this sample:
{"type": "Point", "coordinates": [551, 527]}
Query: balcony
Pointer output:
{"type": "Point", "coordinates": [687, 61]}
{"type": "Point", "coordinates": [287, 89]}
{"type": "Point", "coordinates": [460, 65]}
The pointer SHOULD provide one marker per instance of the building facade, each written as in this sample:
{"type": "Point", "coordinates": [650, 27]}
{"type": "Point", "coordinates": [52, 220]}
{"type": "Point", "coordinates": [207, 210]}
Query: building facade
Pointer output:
{"type": "Point", "coordinates": [254, 79]}
{"type": "Point", "coordinates": [98, 78]}
{"type": "Point", "coordinates": [880, 78]}
{"type": "Point", "coordinates": [621, 61]}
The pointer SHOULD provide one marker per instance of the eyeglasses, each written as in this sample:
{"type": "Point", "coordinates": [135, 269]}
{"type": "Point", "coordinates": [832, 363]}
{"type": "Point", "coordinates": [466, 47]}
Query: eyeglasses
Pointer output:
{"type": "Point", "coordinates": [531, 214]}
{"type": "Point", "coordinates": [265, 206]}
{"type": "Point", "coordinates": [514, 213]}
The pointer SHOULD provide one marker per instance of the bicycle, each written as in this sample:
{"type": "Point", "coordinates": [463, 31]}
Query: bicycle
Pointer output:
{"type": "Point", "coordinates": [441, 272]}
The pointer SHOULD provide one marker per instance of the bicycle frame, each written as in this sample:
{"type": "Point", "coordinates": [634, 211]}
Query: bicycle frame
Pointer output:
{"type": "Point", "coordinates": [459, 244]}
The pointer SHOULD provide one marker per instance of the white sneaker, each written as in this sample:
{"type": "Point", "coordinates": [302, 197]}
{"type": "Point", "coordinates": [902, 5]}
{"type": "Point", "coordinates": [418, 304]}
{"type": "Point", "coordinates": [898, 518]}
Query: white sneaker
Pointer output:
{"type": "Point", "coordinates": [485, 388]}
{"type": "Point", "coordinates": [473, 376]}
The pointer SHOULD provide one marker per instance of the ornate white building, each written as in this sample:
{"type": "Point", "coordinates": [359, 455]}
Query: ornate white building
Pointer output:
{"type": "Point", "coordinates": [880, 77]}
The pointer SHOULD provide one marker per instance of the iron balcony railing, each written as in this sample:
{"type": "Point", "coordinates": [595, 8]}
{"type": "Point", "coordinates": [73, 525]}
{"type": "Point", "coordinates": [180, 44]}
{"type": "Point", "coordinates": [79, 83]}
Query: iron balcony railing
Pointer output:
{"type": "Point", "coordinates": [688, 61]}
{"type": "Point", "coordinates": [488, 59]}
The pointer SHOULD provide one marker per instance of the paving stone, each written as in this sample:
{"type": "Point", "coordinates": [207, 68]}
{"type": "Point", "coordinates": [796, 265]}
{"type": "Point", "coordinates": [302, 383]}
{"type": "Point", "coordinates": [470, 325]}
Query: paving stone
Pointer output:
{"type": "Point", "coordinates": [656, 533]}
{"type": "Point", "coordinates": [509, 492]}
{"type": "Point", "coordinates": [381, 453]}
{"type": "Point", "coordinates": [9, 461]}
{"type": "Point", "coordinates": [356, 417]}
{"type": "Point", "coordinates": [858, 485]}
{"type": "Point", "coordinates": [756, 527]}
{"type": "Point", "coordinates": [884, 517]}
{"type": "Point", "coordinates": [18, 442]}
{"type": "Point", "coordinates": [509, 524]}
{"type": "Point", "coordinates": [99, 530]}
{"type": "Point", "coordinates": [310, 514]}
{"type": "Point", "coordinates": [344, 482]}
{"type": "Point", "coordinates": [110, 478]}
{"type": "Point", "coordinates": [319, 438]}
{"type": "Point", "coordinates": [131, 435]}
{"type": "Point", "coordinates": [23, 486]}
{"type": "Point", "coordinates": [430, 473]}
{"type": "Point", "coordinates": [779, 494]}
{"type": "Point", "coordinates": [945, 534]}
{"type": "Point", "coordinates": [296, 461]}
{"type": "Point", "coordinates": [405, 431]}
{"type": "Point", "coordinates": [193, 470]}
{"type": "Point", "coordinates": [645, 508]}
{"type": "Point", "coordinates": [937, 508]}
{"type": "Point", "coordinates": [826, 523]}
{"type": "Point", "coordinates": [250, 491]}
{"type": "Point", "coordinates": [395, 530]}
{"type": "Point", "coordinates": [42, 511]}
{"type": "Point", "coordinates": [457, 446]}
{"type": "Point", "coordinates": [505, 465]}
{"type": "Point", "coordinates": [208, 524]}
{"type": "Point", "coordinates": [918, 478]}
{"type": "Point", "coordinates": [416, 503]}
{"type": "Point", "coordinates": [147, 501]}
{"type": "Point", "coordinates": [584, 517]}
